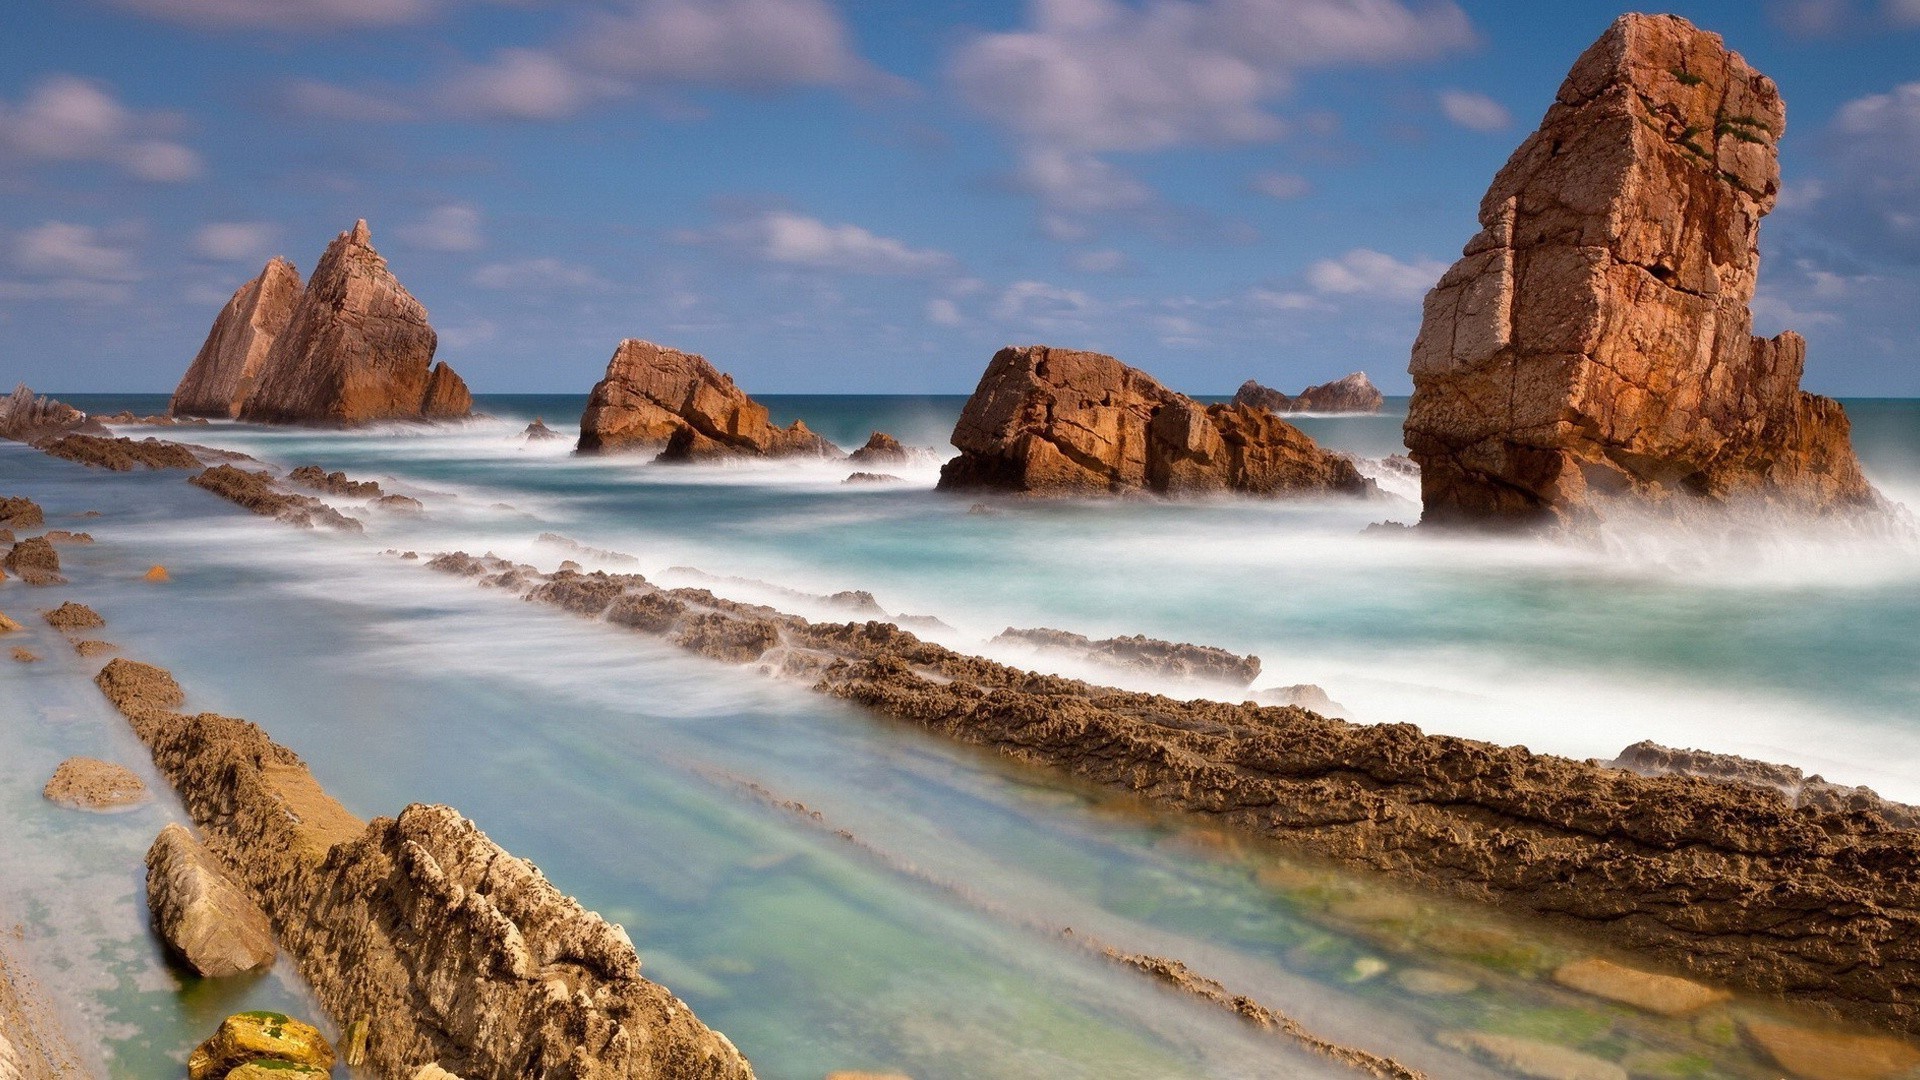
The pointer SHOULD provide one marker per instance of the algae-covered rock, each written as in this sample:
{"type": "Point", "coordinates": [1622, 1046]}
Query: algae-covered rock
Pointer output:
{"type": "Point", "coordinates": [251, 1037]}
{"type": "Point", "coordinates": [275, 1069]}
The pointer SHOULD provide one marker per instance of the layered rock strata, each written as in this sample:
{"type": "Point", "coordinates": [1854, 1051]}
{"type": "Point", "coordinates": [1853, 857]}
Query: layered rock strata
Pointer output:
{"type": "Point", "coordinates": [222, 375]}
{"type": "Point", "coordinates": [30, 418]}
{"type": "Point", "coordinates": [460, 954]}
{"type": "Point", "coordinates": [120, 454]}
{"type": "Point", "coordinates": [1594, 343]}
{"type": "Point", "coordinates": [1171, 659]}
{"type": "Point", "coordinates": [259, 492]}
{"type": "Point", "coordinates": [1047, 421]}
{"type": "Point", "coordinates": [661, 399]}
{"type": "Point", "coordinates": [1725, 880]}
{"type": "Point", "coordinates": [357, 348]}
{"type": "Point", "coordinates": [1354, 393]}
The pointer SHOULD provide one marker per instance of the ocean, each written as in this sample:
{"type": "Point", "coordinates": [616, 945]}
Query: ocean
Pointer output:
{"type": "Point", "coordinates": [929, 939]}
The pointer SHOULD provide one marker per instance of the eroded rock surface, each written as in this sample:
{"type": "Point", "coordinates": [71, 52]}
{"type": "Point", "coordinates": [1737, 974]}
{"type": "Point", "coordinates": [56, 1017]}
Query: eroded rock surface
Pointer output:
{"type": "Point", "coordinates": [1594, 343]}
{"type": "Point", "coordinates": [334, 483]}
{"type": "Point", "coordinates": [1047, 421]}
{"type": "Point", "coordinates": [420, 922]}
{"type": "Point", "coordinates": [34, 561]}
{"type": "Point", "coordinates": [203, 915]}
{"type": "Point", "coordinates": [656, 398]}
{"type": "Point", "coordinates": [27, 418]}
{"type": "Point", "coordinates": [258, 492]}
{"type": "Point", "coordinates": [17, 512]}
{"type": "Point", "coordinates": [70, 616]}
{"type": "Point", "coordinates": [357, 348]}
{"type": "Point", "coordinates": [248, 1037]}
{"type": "Point", "coordinates": [83, 783]}
{"type": "Point", "coordinates": [223, 373]}
{"type": "Point", "coordinates": [1178, 660]}
{"type": "Point", "coordinates": [1799, 789]}
{"type": "Point", "coordinates": [1353, 393]}
{"type": "Point", "coordinates": [120, 454]}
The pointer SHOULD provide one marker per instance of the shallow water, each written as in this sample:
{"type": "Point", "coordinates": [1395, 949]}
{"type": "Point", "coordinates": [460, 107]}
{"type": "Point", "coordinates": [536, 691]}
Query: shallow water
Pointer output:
{"type": "Point", "coordinates": [931, 942]}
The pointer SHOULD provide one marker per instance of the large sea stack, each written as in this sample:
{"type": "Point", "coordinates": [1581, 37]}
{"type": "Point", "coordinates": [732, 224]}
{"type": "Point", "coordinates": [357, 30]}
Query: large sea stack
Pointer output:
{"type": "Point", "coordinates": [1594, 344]}
{"type": "Point", "coordinates": [1047, 421]}
{"type": "Point", "coordinates": [656, 398]}
{"type": "Point", "coordinates": [357, 348]}
{"type": "Point", "coordinates": [223, 374]}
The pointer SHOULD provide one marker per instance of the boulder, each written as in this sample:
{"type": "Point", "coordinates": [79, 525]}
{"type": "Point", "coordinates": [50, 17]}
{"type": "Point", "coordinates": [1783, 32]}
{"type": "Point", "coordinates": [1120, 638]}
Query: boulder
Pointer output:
{"type": "Point", "coordinates": [8, 626]}
{"type": "Point", "coordinates": [259, 1036]}
{"type": "Point", "coordinates": [34, 560]}
{"type": "Point", "coordinates": [656, 398]}
{"type": "Point", "coordinates": [880, 448]}
{"type": "Point", "coordinates": [1353, 394]}
{"type": "Point", "coordinates": [222, 374]}
{"type": "Point", "coordinates": [1593, 346]}
{"type": "Point", "coordinates": [357, 348]}
{"type": "Point", "coordinates": [27, 418]}
{"type": "Point", "coordinates": [1531, 1057]}
{"type": "Point", "coordinates": [1815, 1054]}
{"type": "Point", "coordinates": [538, 431]}
{"type": "Point", "coordinates": [1047, 421]}
{"type": "Point", "coordinates": [1666, 995]}
{"type": "Point", "coordinates": [71, 616]}
{"type": "Point", "coordinates": [82, 783]}
{"type": "Point", "coordinates": [203, 915]}
{"type": "Point", "coordinates": [20, 513]}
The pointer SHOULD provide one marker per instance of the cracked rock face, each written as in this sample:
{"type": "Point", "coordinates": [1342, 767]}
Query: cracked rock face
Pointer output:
{"type": "Point", "coordinates": [223, 374]}
{"type": "Point", "coordinates": [1048, 421]}
{"type": "Point", "coordinates": [357, 348]}
{"type": "Point", "coordinates": [662, 399]}
{"type": "Point", "coordinates": [1594, 342]}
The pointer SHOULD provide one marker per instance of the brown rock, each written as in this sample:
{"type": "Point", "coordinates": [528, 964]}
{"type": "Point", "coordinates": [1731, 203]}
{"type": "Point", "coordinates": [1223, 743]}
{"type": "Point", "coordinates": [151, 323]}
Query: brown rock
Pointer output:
{"type": "Point", "coordinates": [357, 348]}
{"type": "Point", "coordinates": [1594, 343]}
{"type": "Point", "coordinates": [1799, 789]}
{"type": "Point", "coordinates": [24, 656]}
{"type": "Point", "coordinates": [207, 918]}
{"type": "Point", "coordinates": [62, 536]}
{"type": "Point", "coordinates": [8, 626]}
{"type": "Point", "coordinates": [880, 449]}
{"type": "Point", "coordinates": [1353, 394]}
{"type": "Point", "coordinates": [334, 483]}
{"type": "Point", "coordinates": [1666, 995]}
{"type": "Point", "coordinates": [663, 399]}
{"type": "Point", "coordinates": [91, 784]}
{"type": "Point", "coordinates": [121, 454]}
{"type": "Point", "coordinates": [872, 478]}
{"type": "Point", "coordinates": [399, 504]}
{"type": "Point", "coordinates": [89, 647]}
{"type": "Point", "coordinates": [249, 1037]}
{"type": "Point", "coordinates": [1178, 660]}
{"type": "Point", "coordinates": [35, 561]}
{"type": "Point", "coordinates": [538, 431]}
{"type": "Point", "coordinates": [72, 616]}
{"type": "Point", "coordinates": [257, 491]}
{"type": "Point", "coordinates": [222, 375]}
{"type": "Point", "coordinates": [1811, 1054]}
{"type": "Point", "coordinates": [156, 574]}
{"type": "Point", "coordinates": [674, 402]}
{"type": "Point", "coordinates": [1531, 1057]}
{"type": "Point", "coordinates": [30, 419]}
{"type": "Point", "coordinates": [1047, 421]}
{"type": "Point", "coordinates": [20, 513]}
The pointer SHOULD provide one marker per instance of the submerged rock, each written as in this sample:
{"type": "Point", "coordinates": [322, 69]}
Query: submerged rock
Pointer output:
{"type": "Point", "coordinates": [662, 399]}
{"type": "Point", "coordinates": [1666, 995]}
{"type": "Point", "coordinates": [1531, 1057]}
{"type": "Point", "coordinates": [1354, 393]}
{"type": "Point", "coordinates": [1594, 343]}
{"type": "Point", "coordinates": [207, 918]}
{"type": "Point", "coordinates": [83, 783]}
{"type": "Point", "coordinates": [223, 373]}
{"type": "Point", "coordinates": [1813, 1054]}
{"type": "Point", "coordinates": [257, 491]}
{"type": "Point", "coordinates": [259, 1036]}
{"type": "Point", "coordinates": [357, 348]}
{"type": "Point", "coordinates": [1047, 421]}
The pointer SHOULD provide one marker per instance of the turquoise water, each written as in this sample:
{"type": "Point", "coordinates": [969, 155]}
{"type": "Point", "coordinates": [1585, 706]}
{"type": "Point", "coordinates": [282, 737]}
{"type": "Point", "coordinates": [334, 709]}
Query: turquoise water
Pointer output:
{"type": "Point", "coordinates": [930, 943]}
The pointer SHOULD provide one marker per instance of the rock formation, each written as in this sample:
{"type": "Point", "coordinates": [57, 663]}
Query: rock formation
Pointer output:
{"type": "Point", "coordinates": [202, 914]}
{"type": "Point", "coordinates": [251, 1037]}
{"type": "Point", "coordinates": [260, 493]}
{"type": "Point", "coordinates": [1595, 342]}
{"type": "Point", "coordinates": [82, 783]}
{"type": "Point", "coordinates": [419, 922]}
{"type": "Point", "coordinates": [120, 454]}
{"type": "Point", "coordinates": [1353, 394]}
{"type": "Point", "coordinates": [656, 398]}
{"type": "Point", "coordinates": [27, 418]}
{"type": "Point", "coordinates": [538, 431]}
{"type": "Point", "coordinates": [17, 512]}
{"type": "Point", "coordinates": [1169, 659]}
{"type": "Point", "coordinates": [356, 348]}
{"type": "Point", "coordinates": [880, 449]}
{"type": "Point", "coordinates": [35, 561]}
{"type": "Point", "coordinates": [1047, 421]}
{"type": "Point", "coordinates": [222, 375]}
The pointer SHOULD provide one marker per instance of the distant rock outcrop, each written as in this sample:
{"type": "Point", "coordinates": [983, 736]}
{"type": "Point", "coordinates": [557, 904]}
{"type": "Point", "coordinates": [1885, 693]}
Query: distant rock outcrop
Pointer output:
{"type": "Point", "coordinates": [1594, 343]}
{"type": "Point", "coordinates": [656, 398]}
{"type": "Point", "coordinates": [357, 348]}
{"type": "Point", "coordinates": [1353, 394]}
{"type": "Point", "coordinates": [222, 375]}
{"type": "Point", "coordinates": [27, 418]}
{"type": "Point", "coordinates": [1047, 421]}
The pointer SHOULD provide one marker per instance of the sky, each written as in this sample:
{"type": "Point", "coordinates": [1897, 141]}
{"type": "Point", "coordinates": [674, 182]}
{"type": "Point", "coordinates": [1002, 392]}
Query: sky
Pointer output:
{"type": "Point", "coordinates": [872, 196]}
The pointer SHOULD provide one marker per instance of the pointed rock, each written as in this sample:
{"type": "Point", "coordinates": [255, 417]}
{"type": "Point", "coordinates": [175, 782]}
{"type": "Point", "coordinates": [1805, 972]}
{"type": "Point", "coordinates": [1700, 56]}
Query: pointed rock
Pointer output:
{"type": "Point", "coordinates": [1353, 394]}
{"type": "Point", "coordinates": [1594, 342]}
{"type": "Point", "coordinates": [223, 374]}
{"type": "Point", "coordinates": [357, 348]}
{"type": "Point", "coordinates": [663, 399]}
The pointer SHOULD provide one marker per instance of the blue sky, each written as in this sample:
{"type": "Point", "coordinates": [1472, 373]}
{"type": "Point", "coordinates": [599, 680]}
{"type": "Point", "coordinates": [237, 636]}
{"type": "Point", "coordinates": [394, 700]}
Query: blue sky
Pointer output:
{"type": "Point", "coordinates": [873, 195]}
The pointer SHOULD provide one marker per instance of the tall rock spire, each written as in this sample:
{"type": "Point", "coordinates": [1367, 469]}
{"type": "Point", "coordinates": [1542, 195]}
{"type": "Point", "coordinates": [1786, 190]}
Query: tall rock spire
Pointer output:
{"type": "Point", "coordinates": [222, 375]}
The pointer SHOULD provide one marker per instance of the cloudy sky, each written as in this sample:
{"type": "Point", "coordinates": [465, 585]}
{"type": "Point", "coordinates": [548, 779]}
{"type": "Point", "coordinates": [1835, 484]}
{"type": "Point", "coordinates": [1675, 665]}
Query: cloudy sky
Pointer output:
{"type": "Point", "coordinates": [873, 195]}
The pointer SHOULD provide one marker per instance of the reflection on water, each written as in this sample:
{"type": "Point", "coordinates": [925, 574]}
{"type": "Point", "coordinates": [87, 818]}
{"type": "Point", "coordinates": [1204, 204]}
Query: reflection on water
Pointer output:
{"type": "Point", "coordinates": [929, 938]}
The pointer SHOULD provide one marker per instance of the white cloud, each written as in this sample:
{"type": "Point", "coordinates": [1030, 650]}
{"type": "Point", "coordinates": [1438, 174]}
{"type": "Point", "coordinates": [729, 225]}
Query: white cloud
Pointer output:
{"type": "Point", "coordinates": [1871, 200]}
{"type": "Point", "coordinates": [522, 84]}
{"type": "Point", "coordinates": [322, 99]}
{"type": "Point", "coordinates": [1102, 261]}
{"type": "Point", "coordinates": [785, 238]}
{"type": "Point", "coordinates": [1904, 12]}
{"type": "Point", "coordinates": [1040, 305]}
{"type": "Point", "coordinates": [1367, 273]}
{"type": "Point", "coordinates": [68, 119]}
{"type": "Point", "coordinates": [235, 241]}
{"type": "Point", "coordinates": [1279, 185]}
{"type": "Point", "coordinates": [537, 274]}
{"type": "Point", "coordinates": [59, 249]}
{"type": "Point", "coordinates": [285, 14]}
{"type": "Point", "coordinates": [1285, 300]}
{"type": "Point", "coordinates": [1475, 112]}
{"type": "Point", "coordinates": [452, 227]}
{"type": "Point", "coordinates": [943, 312]}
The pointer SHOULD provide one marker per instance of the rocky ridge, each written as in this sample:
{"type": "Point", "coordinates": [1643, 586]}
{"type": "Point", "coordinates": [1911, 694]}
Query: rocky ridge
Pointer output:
{"type": "Point", "coordinates": [676, 403]}
{"type": "Point", "coordinates": [1353, 393]}
{"type": "Point", "coordinates": [1593, 345]}
{"type": "Point", "coordinates": [1046, 421]}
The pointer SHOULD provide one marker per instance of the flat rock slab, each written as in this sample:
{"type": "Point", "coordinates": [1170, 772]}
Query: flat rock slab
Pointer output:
{"type": "Point", "coordinates": [91, 784]}
{"type": "Point", "coordinates": [203, 915]}
{"type": "Point", "coordinates": [1811, 1054]}
{"type": "Point", "coordinates": [1666, 995]}
{"type": "Point", "coordinates": [1530, 1057]}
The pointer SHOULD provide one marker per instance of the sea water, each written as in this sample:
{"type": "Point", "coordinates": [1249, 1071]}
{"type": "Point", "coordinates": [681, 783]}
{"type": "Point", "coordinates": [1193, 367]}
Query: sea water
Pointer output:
{"type": "Point", "coordinates": [919, 923]}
